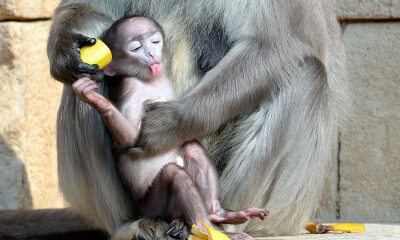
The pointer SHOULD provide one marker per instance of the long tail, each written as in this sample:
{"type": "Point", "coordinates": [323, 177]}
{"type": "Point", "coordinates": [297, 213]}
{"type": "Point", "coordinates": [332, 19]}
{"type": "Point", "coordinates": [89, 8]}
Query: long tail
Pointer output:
{"type": "Point", "coordinates": [78, 235]}
{"type": "Point", "coordinates": [46, 224]}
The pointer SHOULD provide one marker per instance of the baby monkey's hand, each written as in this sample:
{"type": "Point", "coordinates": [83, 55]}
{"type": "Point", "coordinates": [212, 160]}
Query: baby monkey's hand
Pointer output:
{"type": "Point", "coordinates": [84, 89]}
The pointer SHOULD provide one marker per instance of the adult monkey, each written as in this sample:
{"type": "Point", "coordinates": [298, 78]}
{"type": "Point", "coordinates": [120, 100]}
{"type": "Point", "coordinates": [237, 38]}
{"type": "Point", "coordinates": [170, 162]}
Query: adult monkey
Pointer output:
{"type": "Point", "coordinates": [264, 80]}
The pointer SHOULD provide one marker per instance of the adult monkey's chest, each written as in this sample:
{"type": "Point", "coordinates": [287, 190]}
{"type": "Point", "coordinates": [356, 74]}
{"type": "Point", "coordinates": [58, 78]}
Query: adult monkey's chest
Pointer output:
{"type": "Point", "coordinates": [195, 51]}
{"type": "Point", "coordinates": [209, 47]}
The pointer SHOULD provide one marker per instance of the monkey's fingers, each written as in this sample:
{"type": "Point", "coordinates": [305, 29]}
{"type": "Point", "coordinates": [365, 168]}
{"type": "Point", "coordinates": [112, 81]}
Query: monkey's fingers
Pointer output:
{"type": "Point", "coordinates": [80, 84]}
{"type": "Point", "coordinates": [80, 67]}
{"type": "Point", "coordinates": [257, 212]}
{"type": "Point", "coordinates": [161, 128]}
{"type": "Point", "coordinates": [81, 40]}
{"type": "Point", "coordinates": [73, 67]}
{"type": "Point", "coordinates": [98, 76]}
{"type": "Point", "coordinates": [87, 68]}
{"type": "Point", "coordinates": [88, 89]}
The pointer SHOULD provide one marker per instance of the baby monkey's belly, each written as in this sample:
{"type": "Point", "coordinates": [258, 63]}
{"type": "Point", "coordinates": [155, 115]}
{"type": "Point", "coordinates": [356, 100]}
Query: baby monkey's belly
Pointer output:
{"type": "Point", "coordinates": [144, 170]}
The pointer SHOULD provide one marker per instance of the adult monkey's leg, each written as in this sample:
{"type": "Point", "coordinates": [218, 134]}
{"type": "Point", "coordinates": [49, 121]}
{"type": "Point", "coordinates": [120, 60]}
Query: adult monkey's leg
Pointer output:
{"type": "Point", "coordinates": [282, 151]}
{"type": "Point", "coordinates": [295, 138]}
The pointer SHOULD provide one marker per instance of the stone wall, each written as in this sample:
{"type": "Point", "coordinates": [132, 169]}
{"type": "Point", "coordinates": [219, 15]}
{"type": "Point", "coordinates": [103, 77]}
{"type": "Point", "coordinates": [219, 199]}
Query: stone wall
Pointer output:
{"type": "Point", "coordinates": [364, 182]}
{"type": "Point", "coordinates": [29, 100]}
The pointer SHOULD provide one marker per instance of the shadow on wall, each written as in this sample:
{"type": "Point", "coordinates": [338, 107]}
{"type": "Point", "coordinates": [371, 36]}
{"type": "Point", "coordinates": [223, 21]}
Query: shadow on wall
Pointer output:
{"type": "Point", "coordinates": [14, 186]}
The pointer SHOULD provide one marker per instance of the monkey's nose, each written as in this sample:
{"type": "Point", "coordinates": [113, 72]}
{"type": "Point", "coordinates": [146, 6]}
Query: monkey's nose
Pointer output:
{"type": "Point", "coordinates": [150, 54]}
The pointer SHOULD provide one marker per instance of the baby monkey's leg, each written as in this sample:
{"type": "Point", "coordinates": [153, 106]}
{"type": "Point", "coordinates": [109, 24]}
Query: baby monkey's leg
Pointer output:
{"type": "Point", "coordinates": [174, 195]}
{"type": "Point", "coordinates": [200, 169]}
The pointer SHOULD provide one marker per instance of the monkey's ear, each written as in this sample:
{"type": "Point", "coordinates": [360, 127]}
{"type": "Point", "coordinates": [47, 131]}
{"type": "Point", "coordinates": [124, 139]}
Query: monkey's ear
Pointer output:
{"type": "Point", "coordinates": [109, 70]}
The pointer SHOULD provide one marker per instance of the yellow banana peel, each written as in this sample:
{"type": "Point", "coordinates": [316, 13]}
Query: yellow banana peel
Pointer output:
{"type": "Point", "coordinates": [212, 233]}
{"type": "Point", "coordinates": [198, 234]}
{"type": "Point", "coordinates": [98, 54]}
{"type": "Point", "coordinates": [348, 227]}
{"type": "Point", "coordinates": [341, 227]}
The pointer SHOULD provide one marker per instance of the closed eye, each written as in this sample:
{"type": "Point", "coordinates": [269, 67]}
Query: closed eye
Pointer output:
{"type": "Point", "coordinates": [156, 42]}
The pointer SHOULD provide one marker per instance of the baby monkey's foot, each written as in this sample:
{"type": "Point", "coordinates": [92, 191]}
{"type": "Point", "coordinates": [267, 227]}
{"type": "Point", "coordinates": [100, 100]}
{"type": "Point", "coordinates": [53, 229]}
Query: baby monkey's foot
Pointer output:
{"type": "Point", "coordinates": [237, 217]}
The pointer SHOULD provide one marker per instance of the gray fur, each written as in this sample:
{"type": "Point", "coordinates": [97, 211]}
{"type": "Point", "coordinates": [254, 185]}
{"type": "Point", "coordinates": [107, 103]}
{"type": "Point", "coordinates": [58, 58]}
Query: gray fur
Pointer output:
{"type": "Point", "coordinates": [41, 221]}
{"type": "Point", "coordinates": [278, 93]}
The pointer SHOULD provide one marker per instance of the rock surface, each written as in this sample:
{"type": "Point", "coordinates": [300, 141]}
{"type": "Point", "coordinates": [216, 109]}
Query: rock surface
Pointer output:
{"type": "Point", "coordinates": [27, 9]}
{"type": "Point", "coordinates": [13, 187]}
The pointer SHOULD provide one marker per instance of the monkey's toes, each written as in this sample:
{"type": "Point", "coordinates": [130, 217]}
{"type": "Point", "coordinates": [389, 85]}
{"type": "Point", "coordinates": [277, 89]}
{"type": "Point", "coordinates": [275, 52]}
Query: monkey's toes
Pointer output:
{"type": "Point", "coordinates": [257, 212]}
{"type": "Point", "coordinates": [178, 229]}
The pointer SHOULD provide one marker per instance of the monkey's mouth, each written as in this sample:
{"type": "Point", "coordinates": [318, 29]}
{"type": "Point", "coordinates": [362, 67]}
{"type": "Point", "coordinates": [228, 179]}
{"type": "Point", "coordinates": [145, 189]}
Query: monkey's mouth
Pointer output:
{"type": "Point", "coordinates": [155, 69]}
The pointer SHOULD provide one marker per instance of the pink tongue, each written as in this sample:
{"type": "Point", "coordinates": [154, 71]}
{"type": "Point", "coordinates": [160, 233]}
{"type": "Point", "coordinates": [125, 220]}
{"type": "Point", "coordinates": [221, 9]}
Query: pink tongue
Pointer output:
{"type": "Point", "coordinates": [155, 69]}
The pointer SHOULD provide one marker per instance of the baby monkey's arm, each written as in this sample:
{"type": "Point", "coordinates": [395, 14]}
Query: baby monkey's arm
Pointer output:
{"type": "Point", "coordinates": [120, 127]}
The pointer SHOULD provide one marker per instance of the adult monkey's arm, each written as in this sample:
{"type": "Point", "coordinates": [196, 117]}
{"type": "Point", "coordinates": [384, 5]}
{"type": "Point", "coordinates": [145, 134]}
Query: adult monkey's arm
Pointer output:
{"type": "Point", "coordinates": [250, 72]}
{"type": "Point", "coordinates": [75, 25]}
{"type": "Point", "coordinates": [271, 41]}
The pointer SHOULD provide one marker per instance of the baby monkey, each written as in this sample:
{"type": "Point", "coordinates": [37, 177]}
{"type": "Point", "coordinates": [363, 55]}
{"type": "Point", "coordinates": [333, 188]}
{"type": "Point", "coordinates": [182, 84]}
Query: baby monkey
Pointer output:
{"type": "Point", "coordinates": [179, 183]}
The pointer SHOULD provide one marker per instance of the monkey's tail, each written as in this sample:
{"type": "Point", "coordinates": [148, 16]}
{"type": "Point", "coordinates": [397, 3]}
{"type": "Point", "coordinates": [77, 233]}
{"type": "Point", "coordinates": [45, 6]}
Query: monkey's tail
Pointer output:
{"type": "Point", "coordinates": [47, 224]}
{"type": "Point", "coordinates": [77, 235]}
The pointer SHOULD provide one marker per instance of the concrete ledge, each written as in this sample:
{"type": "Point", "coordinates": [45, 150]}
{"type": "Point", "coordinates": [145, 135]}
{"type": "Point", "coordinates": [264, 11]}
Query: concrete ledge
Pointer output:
{"type": "Point", "coordinates": [367, 9]}
{"type": "Point", "coordinates": [372, 231]}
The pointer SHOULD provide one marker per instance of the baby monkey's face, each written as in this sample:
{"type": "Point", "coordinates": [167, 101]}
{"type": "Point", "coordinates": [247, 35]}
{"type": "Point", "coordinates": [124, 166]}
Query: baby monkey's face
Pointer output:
{"type": "Point", "coordinates": [140, 49]}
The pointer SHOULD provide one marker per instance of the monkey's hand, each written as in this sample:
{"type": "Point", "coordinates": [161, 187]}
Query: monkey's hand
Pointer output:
{"type": "Point", "coordinates": [84, 89]}
{"type": "Point", "coordinates": [160, 129]}
{"type": "Point", "coordinates": [65, 62]}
